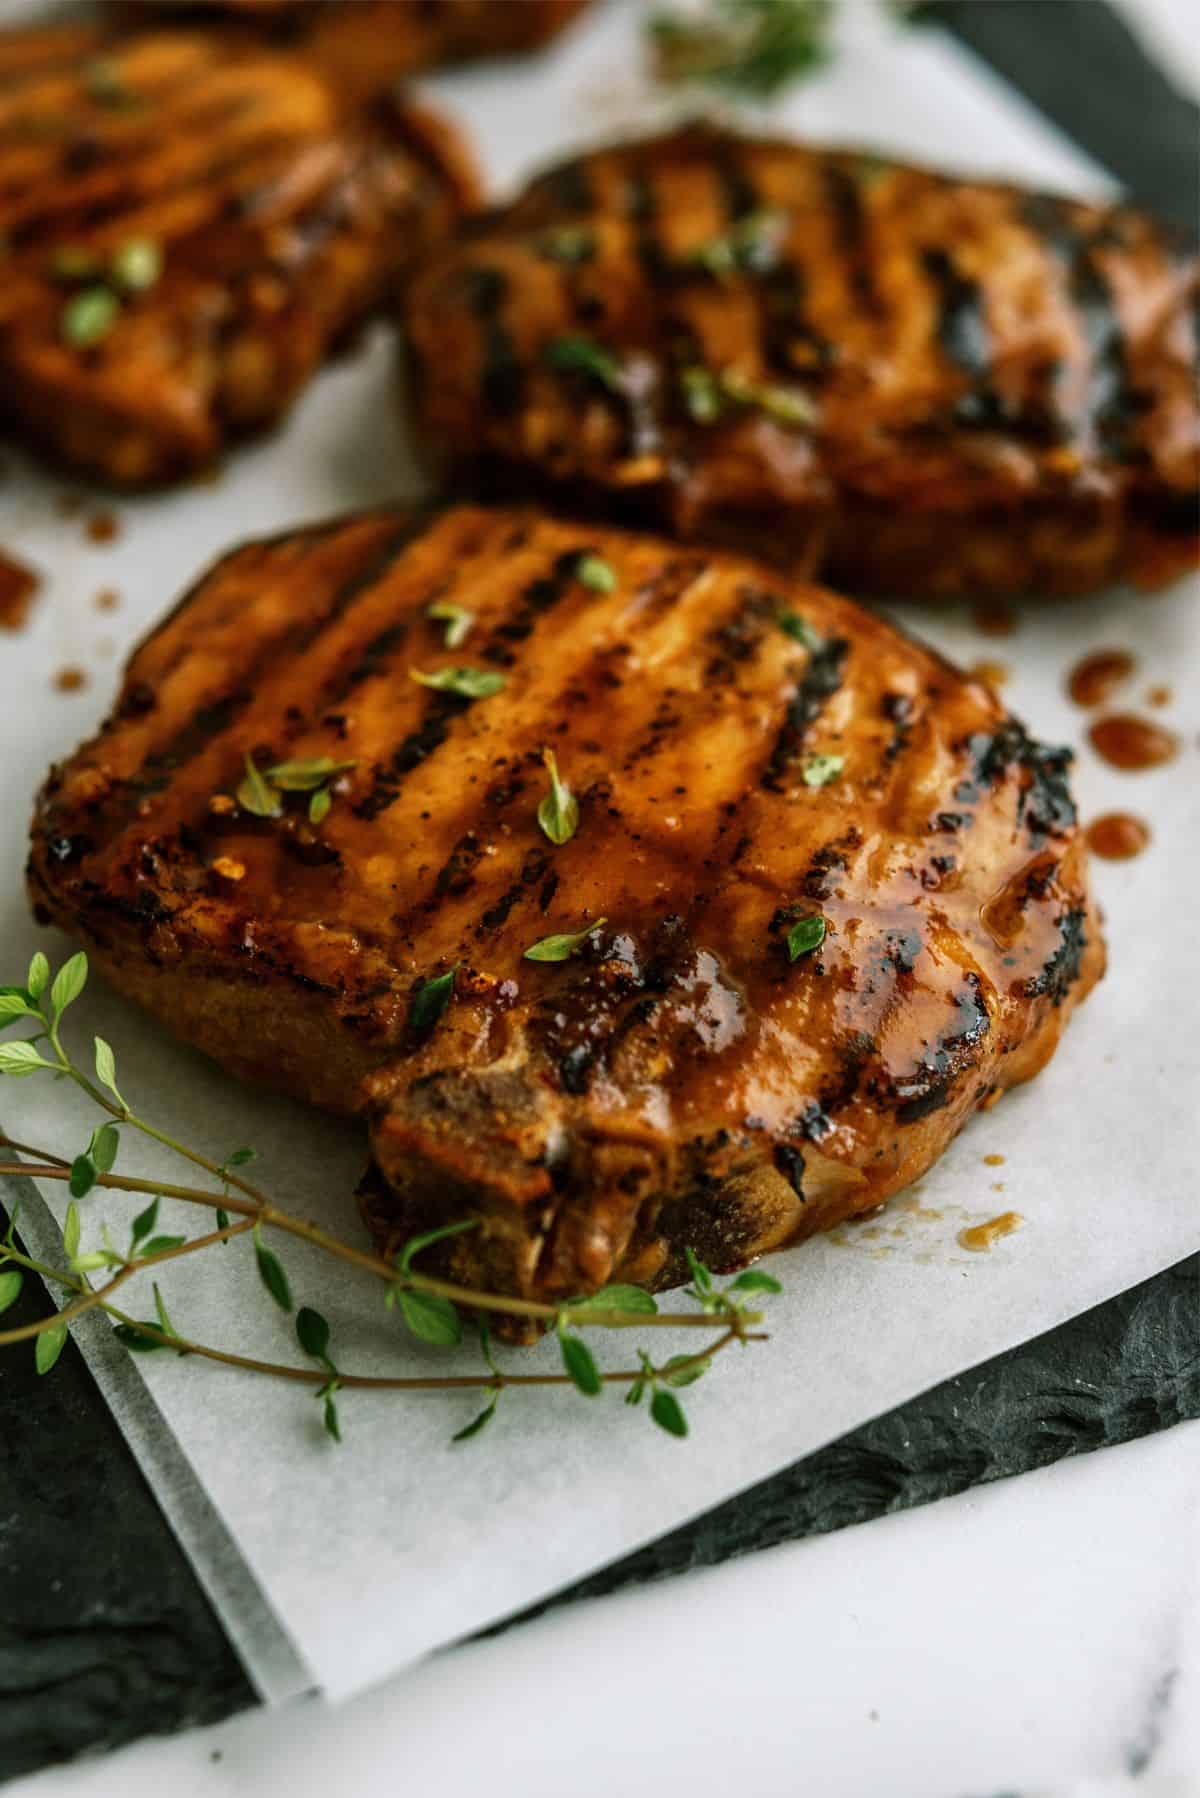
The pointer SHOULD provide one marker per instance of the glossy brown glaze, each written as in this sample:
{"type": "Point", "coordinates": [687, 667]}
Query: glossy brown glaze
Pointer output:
{"type": "Point", "coordinates": [370, 43]}
{"type": "Point", "coordinates": [918, 384]}
{"type": "Point", "coordinates": [680, 1081]}
{"type": "Point", "coordinates": [18, 589]}
{"type": "Point", "coordinates": [1097, 676]}
{"type": "Point", "coordinates": [1117, 836]}
{"type": "Point", "coordinates": [979, 1238]}
{"type": "Point", "coordinates": [1133, 743]}
{"type": "Point", "coordinates": [282, 213]}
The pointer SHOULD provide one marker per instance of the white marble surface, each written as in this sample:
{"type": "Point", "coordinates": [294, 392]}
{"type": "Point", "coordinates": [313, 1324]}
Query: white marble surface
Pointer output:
{"type": "Point", "coordinates": [1039, 1638]}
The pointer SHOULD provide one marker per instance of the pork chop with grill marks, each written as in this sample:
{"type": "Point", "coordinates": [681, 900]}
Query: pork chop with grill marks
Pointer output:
{"type": "Point", "coordinates": [827, 897]}
{"type": "Point", "coordinates": [191, 225]}
{"type": "Point", "coordinates": [907, 382]}
{"type": "Point", "coordinates": [372, 42]}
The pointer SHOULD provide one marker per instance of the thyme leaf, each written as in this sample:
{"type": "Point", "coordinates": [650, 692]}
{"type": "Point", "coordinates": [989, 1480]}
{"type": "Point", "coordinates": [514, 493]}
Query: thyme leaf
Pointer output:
{"type": "Point", "coordinates": [560, 948]}
{"type": "Point", "coordinates": [805, 935]}
{"type": "Point", "coordinates": [468, 683]}
{"type": "Point", "coordinates": [558, 810]}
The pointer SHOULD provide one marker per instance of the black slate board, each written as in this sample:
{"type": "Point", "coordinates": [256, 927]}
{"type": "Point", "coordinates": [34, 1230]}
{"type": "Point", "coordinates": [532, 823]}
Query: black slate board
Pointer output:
{"type": "Point", "coordinates": [105, 1634]}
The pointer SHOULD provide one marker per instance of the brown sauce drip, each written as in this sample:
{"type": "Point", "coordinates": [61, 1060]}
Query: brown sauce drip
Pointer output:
{"type": "Point", "coordinates": [1098, 676]}
{"type": "Point", "coordinates": [1159, 696]}
{"type": "Point", "coordinates": [1117, 836]}
{"type": "Point", "coordinates": [980, 1237]}
{"type": "Point", "coordinates": [994, 618]}
{"type": "Point", "coordinates": [102, 527]}
{"type": "Point", "coordinates": [70, 680]}
{"type": "Point", "coordinates": [992, 674]}
{"type": "Point", "coordinates": [107, 600]}
{"type": "Point", "coordinates": [18, 585]}
{"type": "Point", "coordinates": [1127, 741]}
{"type": "Point", "coordinates": [993, 1161]}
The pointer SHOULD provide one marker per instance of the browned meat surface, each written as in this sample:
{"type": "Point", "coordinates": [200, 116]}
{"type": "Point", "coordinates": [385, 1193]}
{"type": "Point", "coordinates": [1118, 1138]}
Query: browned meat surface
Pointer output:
{"type": "Point", "coordinates": [742, 787]}
{"type": "Point", "coordinates": [374, 41]}
{"type": "Point", "coordinates": [908, 382]}
{"type": "Point", "coordinates": [190, 226]}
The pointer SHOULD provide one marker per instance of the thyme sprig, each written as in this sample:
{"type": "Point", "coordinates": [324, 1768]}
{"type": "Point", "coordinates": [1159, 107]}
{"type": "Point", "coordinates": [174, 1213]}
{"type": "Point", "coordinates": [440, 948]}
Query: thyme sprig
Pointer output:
{"type": "Point", "coordinates": [429, 1307]}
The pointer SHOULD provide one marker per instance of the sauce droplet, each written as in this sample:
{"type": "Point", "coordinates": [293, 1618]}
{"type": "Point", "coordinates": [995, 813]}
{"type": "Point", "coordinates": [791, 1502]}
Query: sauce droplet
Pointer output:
{"type": "Point", "coordinates": [107, 600]}
{"type": "Point", "coordinates": [1117, 836]}
{"type": "Point", "coordinates": [993, 1161]}
{"type": "Point", "coordinates": [1131, 742]}
{"type": "Point", "coordinates": [1159, 696]}
{"type": "Point", "coordinates": [102, 527]}
{"type": "Point", "coordinates": [992, 674]}
{"type": "Point", "coordinates": [18, 585]}
{"type": "Point", "coordinates": [1099, 675]}
{"type": "Point", "coordinates": [994, 618]}
{"type": "Point", "coordinates": [980, 1237]}
{"type": "Point", "coordinates": [70, 680]}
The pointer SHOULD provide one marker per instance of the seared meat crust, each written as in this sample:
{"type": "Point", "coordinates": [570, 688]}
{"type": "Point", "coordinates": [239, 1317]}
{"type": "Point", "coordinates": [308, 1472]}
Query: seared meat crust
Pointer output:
{"type": "Point", "coordinates": [680, 1081]}
{"type": "Point", "coordinates": [282, 212]}
{"type": "Point", "coordinates": [907, 382]}
{"type": "Point", "coordinates": [372, 42]}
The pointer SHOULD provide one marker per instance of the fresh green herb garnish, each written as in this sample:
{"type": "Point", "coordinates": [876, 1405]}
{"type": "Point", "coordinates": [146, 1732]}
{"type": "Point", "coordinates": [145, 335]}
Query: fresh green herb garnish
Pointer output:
{"type": "Point", "coordinates": [137, 264]}
{"type": "Point", "coordinates": [707, 394]}
{"type": "Point", "coordinates": [560, 948]}
{"type": "Point", "coordinates": [594, 572]}
{"type": "Point", "coordinates": [431, 999]}
{"type": "Point", "coordinates": [255, 795]}
{"type": "Point", "coordinates": [88, 316]}
{"type": "Point", "coordinates": [799, 629]}
{"type": "Point", "coordinates": [304, 776]}
{"type": "Point", "coordinates": [583, 356]}
{"type": "Point", "coordinates": [805, 935]}
{"type": "Point", "coordinates": [701, 394]}
{"type": "Point", "coordinates": [786, 405]}
{"type": "Point", "coordinates": [749, 46]}
{"type": "Point", "coordinates": [426, 1304]}
{"type": "Point", "coordinates": [570, 243]}
{"type": "Point", "coordinates": [468, 683]}
{"type": "Point", "coordinates": [558, 810]}
{"type": "Point", "coordinates": [457, 620]}
{"type": "Point", "coordinates": [748, 246]}
{"type": "Point", "coordinates": [819, 770]}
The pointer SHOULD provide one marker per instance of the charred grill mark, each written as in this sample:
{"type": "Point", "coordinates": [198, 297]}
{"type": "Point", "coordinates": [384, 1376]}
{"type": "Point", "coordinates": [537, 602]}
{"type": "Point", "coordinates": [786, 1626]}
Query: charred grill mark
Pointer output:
{"type": "Point", "coordinates": [641, 208]}
{"type": "Point", "coordinates": [738, 192]}
{"type": "Point", "coordinates": [370, 663]}
{"type": "Point", "coordinates": [1044, 804]}
{"type": "Point", "coordinates": [791, 344]}
{"type": "Point", "coordinates": [532, 870]}
{"type": "Point", "coordinates": [1112, 405]}
{"type": "Point", "coordinates": [962, 332]}
{"type": "Point", "coordinates": [1060, 973]}
{"type": "Point", "coordinates": [927, 1088]}
{"type": "Point", "coordinates": [820, 879]}
{"type": "Point", "coordinates": [534, 601]}
{"type": "Point", "coordinates": [502, 380]}
{"type": "Point", "coordinates": [417, 747]}
{"type": "Point", "coordinates": [844, 196]}
{"type": "Point", "coordinates": [898, 708]}
{"type": "Point", "coordinates": [570, 188]}
{"type": "Point", "coordinates": [457, 876]}
{"type": "Point", "coordinates": [790, 1163]}
{"type": "Point", "coordinates": [820, 682]}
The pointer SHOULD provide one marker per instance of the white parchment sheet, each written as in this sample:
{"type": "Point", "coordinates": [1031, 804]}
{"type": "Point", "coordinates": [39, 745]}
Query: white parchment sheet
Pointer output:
{"type": "Point", "coordinates": [335, 1567]}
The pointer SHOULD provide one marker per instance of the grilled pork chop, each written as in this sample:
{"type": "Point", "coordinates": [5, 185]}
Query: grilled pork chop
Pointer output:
{"type": "Point", "coordinates": [373, 42]}
{"type": "Point", "coordinates": [824, 897]}
{"type": "Point", "coordinates": [909, 382]}
{"type": "Point", "coordinates": [190, 226]}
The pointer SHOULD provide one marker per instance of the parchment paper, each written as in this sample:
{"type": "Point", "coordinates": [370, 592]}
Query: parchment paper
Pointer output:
{"type": "Point", "coordinates": [355, 1561]}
